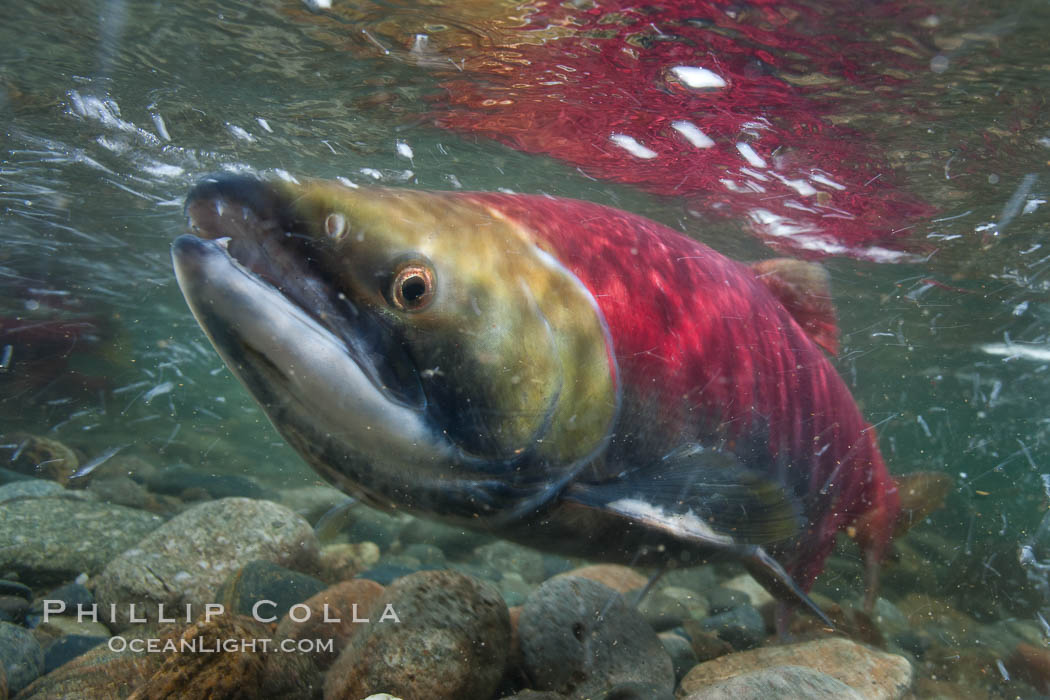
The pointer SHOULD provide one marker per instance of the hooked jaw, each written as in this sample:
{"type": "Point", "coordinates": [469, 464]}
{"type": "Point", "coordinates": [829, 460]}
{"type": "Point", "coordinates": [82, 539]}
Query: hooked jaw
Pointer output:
{"type": "Point", "coordinates": [302, 373]}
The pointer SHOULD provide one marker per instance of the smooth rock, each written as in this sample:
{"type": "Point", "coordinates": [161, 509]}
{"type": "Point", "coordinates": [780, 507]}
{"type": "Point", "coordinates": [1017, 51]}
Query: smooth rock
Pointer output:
{"type": "Point", "coordinates": [386, 574]}
{"type": "Point", "coordinates": [44, 458]}
{"type": "Point", "coordinates": [637, 690]}
{"type": "Point", "coordinates": [662, 612]}
{"type": "Point", "coordinates": [425, 554]}
{"type": "Point", "coordinates": [452, 642]}
{"type": "Point", "coordinates": [14, 588]}
{"type": "Point", "coordinates": [175, 481]}
{"type": "Point", "coordinates": [274, 588]}
{"type": "Point", "coordinates": [747, 585]}
{"type": "Point", "coordinates": [30, 488]}
{"type": "Point", "coordinates": [453, 541]}
{"type": "Point", "coordinates": [616, 576]}
{"type": "Point", "coordinates": [99, 674]}
{"type": "Point", "coordinates": [311, 502]}
{"type": "Point", "coordinates": [874, 674]}
{"type": "Point", "coordinates": [705, 645]}
{"type": "Point", "coordinates": [336, 613]}
{"type": "Point", "coordinates": [578, 637]}
{"type": "Point", "coordinates": [125, 491]}
{"type": "Point", "coordinates": [343, 561]}
{"type": "Point", "coordinates": [554, 565]}
{"type": "Point", "coordinates": [52, 540]}
{"type": "Point", "coordinates": [65, 649]}
{"type": "Point", "coordinates": [127, 464]}
{"type": "Point", "coordinates": [721, 599]}
{"type": "Point", "coordinates": [683, 658]}
{"type": "Point", "coordinates": [215, 672]}
{"type": "Point", "coordinates": [778, 682]}
{"type": "Point", "coordinates": [60, 625]}
{"type": "Point", "coordinates": [20, 656]}
{"type": "Point", "coordinates": [13, 608]}
{"type": "Point", "coordinates": [699, 579]}
{"type": "Point", "coordinates": [743, 626]}
{"type": "Point", "coordinates": [514, 589]}
{"type": "Point", "coordinates": [1032, 665]}
{"type": "Point", "coordinates": [368, 525]}
{"type": "Point", "coordinates": [185, 560]}
{"type": "Point", "coordinates": [507, 557]}
{"type": "Point", "coordinates": [71, 594]}
{"type": "Point", "coordinates": [481, 571]}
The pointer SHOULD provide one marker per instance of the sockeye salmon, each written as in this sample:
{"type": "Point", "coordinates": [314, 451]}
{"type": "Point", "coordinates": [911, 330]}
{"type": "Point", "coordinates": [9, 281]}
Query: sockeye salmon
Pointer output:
{"type": "Point", "coordinates": [566, 375]}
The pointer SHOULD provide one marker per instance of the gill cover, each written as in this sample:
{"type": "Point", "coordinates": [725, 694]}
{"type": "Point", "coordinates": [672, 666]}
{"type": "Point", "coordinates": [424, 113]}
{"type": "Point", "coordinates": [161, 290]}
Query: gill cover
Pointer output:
{"type": "Point", "coordinates": [512, 352]}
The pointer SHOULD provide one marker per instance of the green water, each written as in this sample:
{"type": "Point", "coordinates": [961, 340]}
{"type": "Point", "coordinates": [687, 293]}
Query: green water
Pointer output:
{"type": "Point", "coordinates": [110, 111]}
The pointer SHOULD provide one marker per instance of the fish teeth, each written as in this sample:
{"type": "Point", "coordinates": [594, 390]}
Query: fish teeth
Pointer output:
{"type": "Point", "coordinates": [224, 242]}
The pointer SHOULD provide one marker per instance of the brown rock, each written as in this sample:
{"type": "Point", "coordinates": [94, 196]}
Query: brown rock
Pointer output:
{"type": "Point", "coordinates": [923, 611]}
{"type": "Point", "coordinates": [778, 682]}
{"type": "Point", "coordinates": [3, 684]}
{"type": "Point", "coordinates": [1032, 665]}
{"type": "Point", "coordinates": [345, 602]}
{"type": "Point", "coordinates": [850, 622]}
{"type": "Point", "coordinates": [617, 577]}
{"type": "Point", "coordinates": [342, 561]}
{"type": "Point", "coordinates": [206, 669]}
{"type": "Point", "coordinates": [451, 641]}
{"type": "Point", "coordinates": [873, 674]}
{"type": "Point", "coordinates": [705, 645]}
{"type": "Point", "coordinates": [100, 674]}
{"type": "Point", "coordinates": [44, 458]}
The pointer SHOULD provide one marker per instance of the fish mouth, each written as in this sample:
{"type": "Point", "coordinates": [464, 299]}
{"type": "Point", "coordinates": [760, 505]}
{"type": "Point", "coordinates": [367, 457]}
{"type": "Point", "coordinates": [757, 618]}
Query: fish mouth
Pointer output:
{"type": "Point", "coordinates": [270, 298]}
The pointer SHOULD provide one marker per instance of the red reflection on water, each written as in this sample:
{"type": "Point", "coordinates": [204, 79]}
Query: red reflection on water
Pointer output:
{"type": "Point", "coordinates": [725, 104]}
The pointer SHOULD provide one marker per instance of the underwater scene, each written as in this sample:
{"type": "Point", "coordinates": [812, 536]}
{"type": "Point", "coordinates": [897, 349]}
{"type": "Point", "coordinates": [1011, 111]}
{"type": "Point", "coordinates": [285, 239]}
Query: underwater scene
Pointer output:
{"type": "Point", "coordinates": [524, 349]}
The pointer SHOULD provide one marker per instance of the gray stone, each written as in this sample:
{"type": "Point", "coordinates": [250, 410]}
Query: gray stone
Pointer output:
{"type": "Point", "coordinates": [20, 656]}
{"type": "Point", "coordinates": [65, 649]}
{"type": "Point", "coordinates": [507, 557]}
{"type": "Point", "coordinates": [453, 541]}
{"type": "Point", "coordinates": [681, 652]}
{"type": "Point", "coordinates": [743, 626]}
{"type": "Point", "coordinates": [778, 682]}
{"type": "Point", "coordinates": [259, 581]}
{"type": "Point", "coordinates": [184, 561]}
{"type": "Point", "coordinates": [52, 540]}
{"type": "Point", "coordinates": [580, 638]}
{"type": "Point", "coordinates": [368, 525]}
{"type": "Point", "coordinates": [30, 488]}
{"type": "Point", "coordinates": [177, 480]}
{"type": "Point", "coordinates": [426, 554]}
{"type": "Point", "coordinates": [695, 578]}
{"type": "Point", "coordinates": [514, 589]}
{"type": "Point", "coordinates": [311, 502]}
{"type": "Point", "coordinates": [721, 599]}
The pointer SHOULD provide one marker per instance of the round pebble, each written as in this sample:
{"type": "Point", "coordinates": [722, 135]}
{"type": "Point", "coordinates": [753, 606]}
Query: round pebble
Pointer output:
{"type": "Point", "coordinates": [580, 638]}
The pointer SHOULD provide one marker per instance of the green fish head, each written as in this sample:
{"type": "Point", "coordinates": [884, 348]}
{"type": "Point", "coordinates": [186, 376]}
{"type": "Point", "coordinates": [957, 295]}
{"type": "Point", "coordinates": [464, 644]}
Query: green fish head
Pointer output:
{"type": "Point", "coordinates": [409, 344]}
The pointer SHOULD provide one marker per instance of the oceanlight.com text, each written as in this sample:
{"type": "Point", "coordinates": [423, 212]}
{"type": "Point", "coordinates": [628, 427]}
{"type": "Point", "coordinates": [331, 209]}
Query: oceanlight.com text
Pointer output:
{"type": "Point", "coordinates": [201, 645]}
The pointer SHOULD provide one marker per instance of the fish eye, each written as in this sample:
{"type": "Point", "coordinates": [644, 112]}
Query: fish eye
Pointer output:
{"type": "Point", "coordinates": [412, 288]}
{"type": "Point", "coordinates": [335, 226]}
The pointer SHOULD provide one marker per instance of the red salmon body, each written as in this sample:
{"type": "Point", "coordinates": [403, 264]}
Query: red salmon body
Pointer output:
{"type": "Point", "coordinates": [707, 353]}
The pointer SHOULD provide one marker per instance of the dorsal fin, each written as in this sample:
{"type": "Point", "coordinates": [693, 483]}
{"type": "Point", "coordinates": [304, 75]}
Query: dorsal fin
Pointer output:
{"type": "Point", "coordinates": [804, 290]}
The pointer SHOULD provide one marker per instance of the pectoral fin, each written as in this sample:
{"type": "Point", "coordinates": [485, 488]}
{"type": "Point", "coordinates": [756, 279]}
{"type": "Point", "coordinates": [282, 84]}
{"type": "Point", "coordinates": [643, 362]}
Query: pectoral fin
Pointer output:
{"type": "Point", "coordinates": [700, 495]}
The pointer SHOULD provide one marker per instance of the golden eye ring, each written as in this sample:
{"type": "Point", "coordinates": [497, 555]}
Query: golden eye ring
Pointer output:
{"type": "Point", "coordinates": [412, 288]}
{"type": "Point", "coordinates": [335, 226]}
